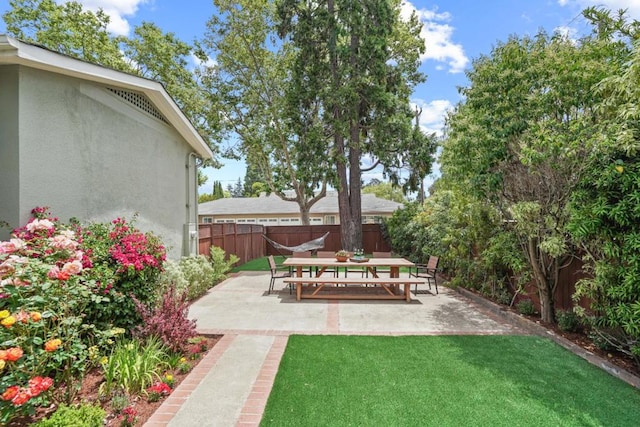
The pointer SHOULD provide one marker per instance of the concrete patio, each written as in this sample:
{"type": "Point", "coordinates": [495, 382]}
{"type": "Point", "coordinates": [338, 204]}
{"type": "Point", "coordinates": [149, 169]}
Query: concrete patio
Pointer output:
{"type": "Point", "coordinates": [230, 386]}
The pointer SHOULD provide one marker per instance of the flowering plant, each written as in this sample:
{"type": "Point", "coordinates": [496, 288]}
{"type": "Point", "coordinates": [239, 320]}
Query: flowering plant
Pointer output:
{"type": "Point", "coordinates": [157, 390]}
{"type": "Point", "coordinates": [42, 296]}
{"type": "Point", "coordinates": [126, 262]}
{"type": "Point", "coordinates": [129, 417]}
{"type": "Point", "coordinates": [343, 253]}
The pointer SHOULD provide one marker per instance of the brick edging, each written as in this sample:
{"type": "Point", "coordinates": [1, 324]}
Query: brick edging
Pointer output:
{"type": "Point", "coordinates": [540, 330]}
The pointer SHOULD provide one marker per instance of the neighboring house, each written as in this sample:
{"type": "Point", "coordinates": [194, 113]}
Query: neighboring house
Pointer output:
{"type": "Point", "coordinates": [95, 144]}
{"type": "Point", "coordinates": [272, 210]}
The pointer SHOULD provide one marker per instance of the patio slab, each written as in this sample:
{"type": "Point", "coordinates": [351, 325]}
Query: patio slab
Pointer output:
{"type": "Point", "coordinates": [233, 384]}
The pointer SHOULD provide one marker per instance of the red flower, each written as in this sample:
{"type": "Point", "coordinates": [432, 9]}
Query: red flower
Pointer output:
{"type": "Point", "coordinates": [160, 388]}
{"type": "Point", "coordinates": [38, 385]}
{"type": "Point", "coordinates": [21, 398]}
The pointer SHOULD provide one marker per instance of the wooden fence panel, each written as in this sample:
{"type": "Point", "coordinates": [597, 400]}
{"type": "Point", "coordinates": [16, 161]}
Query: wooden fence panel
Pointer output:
{"type": "Point", "coordinates": [246, 242]}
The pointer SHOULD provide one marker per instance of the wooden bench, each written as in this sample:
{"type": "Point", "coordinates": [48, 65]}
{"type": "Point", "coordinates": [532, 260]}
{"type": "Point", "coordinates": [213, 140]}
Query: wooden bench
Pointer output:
{"type": "Point", "coordinates": [386, 288]}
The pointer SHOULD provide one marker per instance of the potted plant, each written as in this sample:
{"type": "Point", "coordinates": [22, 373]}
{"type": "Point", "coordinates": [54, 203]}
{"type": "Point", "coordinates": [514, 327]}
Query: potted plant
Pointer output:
{"type": "Point", "coordinates": [342, 255]}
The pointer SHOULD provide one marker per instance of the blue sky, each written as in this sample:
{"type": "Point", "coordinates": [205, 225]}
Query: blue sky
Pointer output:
{"type": "Point", "coordinates": [456, 32]}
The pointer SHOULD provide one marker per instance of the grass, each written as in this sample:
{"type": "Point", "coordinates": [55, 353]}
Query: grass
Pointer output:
{"type": "Point", "coordinates": [258, 264]}
{"type": "Point", "coordinates": [443, 381]}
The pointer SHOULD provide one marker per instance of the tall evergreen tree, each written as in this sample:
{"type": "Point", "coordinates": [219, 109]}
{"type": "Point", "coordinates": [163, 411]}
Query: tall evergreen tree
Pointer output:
{"type": "Point", "coordinates": [356, 64]}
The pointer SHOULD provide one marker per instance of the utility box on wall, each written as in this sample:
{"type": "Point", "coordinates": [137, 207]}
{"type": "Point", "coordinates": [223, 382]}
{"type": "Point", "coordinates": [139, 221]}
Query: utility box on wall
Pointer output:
{"type": "Point", "coordinates": [191, 239]}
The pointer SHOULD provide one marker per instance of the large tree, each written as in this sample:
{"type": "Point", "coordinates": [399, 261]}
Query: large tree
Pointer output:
{"type": "Point", "coordinates": [523, 137]}
{"type": "Point", "coordinates": [356, 64]}
{"type": "Point", "coordinates": [248, 81]}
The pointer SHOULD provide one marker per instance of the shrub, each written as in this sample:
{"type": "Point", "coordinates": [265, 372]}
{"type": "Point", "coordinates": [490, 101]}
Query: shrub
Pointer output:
{"type": "Point", "coordinates": [80, 416]}
{"type": "Point", "coordinates": [568, 320]}
{"type": "Point", "coordinates": [195, 275]}
{"type": "Point", "coordinates": [125, 262]}
{"type": "Point", "coordinates": [167, 321]}
{"type": "Point", "coordinates": [221, 266]}
{"type": "Point", "coordinates": [45, 339]}
{"type": "Point", "coordinates": [526, 307]}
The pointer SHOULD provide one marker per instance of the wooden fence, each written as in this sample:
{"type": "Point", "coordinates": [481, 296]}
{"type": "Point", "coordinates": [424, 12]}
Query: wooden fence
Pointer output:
{"type": "Point", "coordinates": [243, 240]}
{"type": "Point", "coordinates": [246, 242]}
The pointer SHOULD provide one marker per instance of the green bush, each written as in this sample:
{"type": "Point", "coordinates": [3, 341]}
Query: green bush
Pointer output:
{"type": "Point", "coordinates": [568, 320]}
{"type": "Point", "coordinates": [526, 307]}
{"type": "Point", "coordinates": [80, 416]}
{"type": "Point", "coordinates": [195, 275]}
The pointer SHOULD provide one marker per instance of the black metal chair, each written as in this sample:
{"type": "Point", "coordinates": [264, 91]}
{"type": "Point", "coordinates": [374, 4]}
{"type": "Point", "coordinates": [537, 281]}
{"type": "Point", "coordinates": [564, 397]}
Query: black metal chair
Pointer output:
{"type": "Point", "coordinates": [277, 273]}
{"type": "Point", "coordinates": [427, 271]}
{"type": "Point", "coordinates": [304, 254]}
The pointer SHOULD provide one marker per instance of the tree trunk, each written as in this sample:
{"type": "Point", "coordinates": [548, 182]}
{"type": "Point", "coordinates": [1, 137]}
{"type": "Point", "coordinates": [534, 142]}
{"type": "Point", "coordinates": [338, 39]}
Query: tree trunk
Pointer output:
{"type": "Point", "coordinates": [545, 288]}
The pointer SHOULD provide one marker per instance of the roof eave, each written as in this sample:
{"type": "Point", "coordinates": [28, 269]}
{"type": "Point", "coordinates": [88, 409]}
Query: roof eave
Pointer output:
{"type": "Point", "coordinates": [13, 51]}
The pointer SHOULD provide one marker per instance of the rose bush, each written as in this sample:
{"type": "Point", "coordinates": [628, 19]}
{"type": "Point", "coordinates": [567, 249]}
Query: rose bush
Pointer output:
{"type": "Point", "coordinates": [62, 290]}
{"type": "Point", "coordinates": [125, 262]}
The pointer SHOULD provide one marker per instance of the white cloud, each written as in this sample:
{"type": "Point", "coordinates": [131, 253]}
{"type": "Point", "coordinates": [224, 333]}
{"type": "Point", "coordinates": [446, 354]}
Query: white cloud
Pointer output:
{"type": "Point", "coordinates": [632, 6]}
{"type": "Point", "coordinates": [210, 62]}
{"type": "Point", "coordinates": [433, 114]}
{"type": "Point", "coordinates": [437, 36]}
{"type": "Point", "coordinates": [118, 11]}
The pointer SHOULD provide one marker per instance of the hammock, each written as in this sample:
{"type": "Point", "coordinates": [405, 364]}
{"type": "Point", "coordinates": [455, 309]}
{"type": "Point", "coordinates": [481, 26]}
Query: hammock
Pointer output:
{"type": "Point", "coordinates": [303, 247]}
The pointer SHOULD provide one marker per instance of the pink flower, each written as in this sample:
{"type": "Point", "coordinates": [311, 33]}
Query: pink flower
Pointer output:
{"type": "Point", "coordinates": [73, 267]}
{"type": "Point", "coordinates": [62, 242]}
{"type": "Point", "coordinates": [53, 272]}
{"type": "Point", "coordinates": [39, 224]}
{"type": "Point", "coordinates": [11, 246]}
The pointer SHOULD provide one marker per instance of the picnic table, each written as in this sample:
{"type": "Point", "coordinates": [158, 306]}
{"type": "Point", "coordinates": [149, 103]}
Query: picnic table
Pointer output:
{"type": "Point", "coordinates": [371, 287]}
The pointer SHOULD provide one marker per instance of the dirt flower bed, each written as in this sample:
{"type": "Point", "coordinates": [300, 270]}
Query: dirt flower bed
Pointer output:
{"type": "Point", "coordinates": [89, 393]}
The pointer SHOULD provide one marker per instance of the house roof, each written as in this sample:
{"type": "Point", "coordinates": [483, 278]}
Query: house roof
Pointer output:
{"type": "Point", "coordinates": [13, 51]}
{"type": "Point", "coordinates": [274, 205]}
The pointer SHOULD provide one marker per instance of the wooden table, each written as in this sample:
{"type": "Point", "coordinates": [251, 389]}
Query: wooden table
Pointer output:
{"type": "Point", "coordinates": [316, 285]}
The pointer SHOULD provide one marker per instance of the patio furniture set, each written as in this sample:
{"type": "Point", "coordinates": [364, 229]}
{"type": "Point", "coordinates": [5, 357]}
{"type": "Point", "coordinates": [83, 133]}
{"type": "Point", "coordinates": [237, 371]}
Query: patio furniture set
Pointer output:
{"type": "Point", "coordinates": [379, 277]}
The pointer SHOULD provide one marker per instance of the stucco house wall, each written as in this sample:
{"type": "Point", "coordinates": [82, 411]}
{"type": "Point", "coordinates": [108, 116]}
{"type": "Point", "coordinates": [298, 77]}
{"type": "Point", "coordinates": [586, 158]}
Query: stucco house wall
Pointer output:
{"type": "Point", "coordinates": [94, 151]}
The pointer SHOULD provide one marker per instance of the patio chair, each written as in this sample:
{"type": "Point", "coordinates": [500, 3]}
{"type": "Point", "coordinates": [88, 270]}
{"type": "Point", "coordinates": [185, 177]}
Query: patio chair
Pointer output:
{"type": "Point", "coordinates": [364, 272]}
{"type": "Point", "coordinates": [427, 271]}
{"type": "Point", "coordinates": [381, 255]}
{"type": "Point", "coordinates": [304, 254]}
{"type": "Point", "coordinates": [327, 254]}
{"type": "Point", "coordinates": [277, 273]}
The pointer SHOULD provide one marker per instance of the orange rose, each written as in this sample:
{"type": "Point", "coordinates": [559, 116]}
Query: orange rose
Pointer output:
{"type": "Point", "coordinates": [52, 345]}
{"type": "Point", "coordinates": [10, 392]}
{"type": "Point", "coordinates": [35, 316]}
{"type": "Point", "coordinates": [14, 353]}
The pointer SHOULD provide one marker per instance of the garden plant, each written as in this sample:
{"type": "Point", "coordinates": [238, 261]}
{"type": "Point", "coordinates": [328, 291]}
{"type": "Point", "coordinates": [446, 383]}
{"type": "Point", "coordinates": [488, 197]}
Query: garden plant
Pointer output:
{"type": "Point", "coordinates": [73, 299]}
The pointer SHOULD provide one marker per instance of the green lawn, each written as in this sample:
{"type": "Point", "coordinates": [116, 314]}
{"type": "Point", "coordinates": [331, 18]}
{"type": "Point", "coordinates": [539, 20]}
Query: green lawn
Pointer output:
{"type": "Point", "coordinates": [443, 381]}
{"type": "Point", "coordinates": [258, 264]}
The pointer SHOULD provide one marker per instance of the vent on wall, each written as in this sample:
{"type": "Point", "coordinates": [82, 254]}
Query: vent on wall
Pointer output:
{"type": "Point", "coordinates": [140, 101]}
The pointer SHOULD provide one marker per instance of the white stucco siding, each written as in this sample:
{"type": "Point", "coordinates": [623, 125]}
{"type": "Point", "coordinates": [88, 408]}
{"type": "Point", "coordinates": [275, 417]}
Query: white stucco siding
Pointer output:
{"type": "Point", "coordinates": [9, 190]}
{"type": "Point", "coordinates": [87, 153]}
